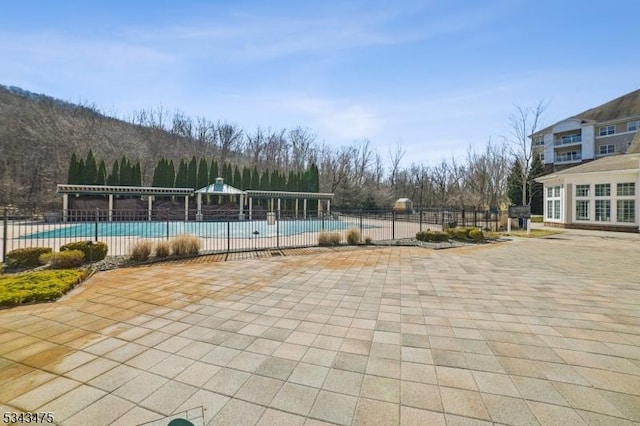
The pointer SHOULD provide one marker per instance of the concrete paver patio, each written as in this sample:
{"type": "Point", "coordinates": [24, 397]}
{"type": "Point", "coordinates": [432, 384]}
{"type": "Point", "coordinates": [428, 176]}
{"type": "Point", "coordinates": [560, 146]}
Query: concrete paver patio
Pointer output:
{"type": "Point", "coordinates": [543, 331]}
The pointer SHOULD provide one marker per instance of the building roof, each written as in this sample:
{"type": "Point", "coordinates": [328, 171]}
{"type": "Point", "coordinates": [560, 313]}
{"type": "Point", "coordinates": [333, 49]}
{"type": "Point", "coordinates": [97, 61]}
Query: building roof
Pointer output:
{"type": "Point", "coordinates": [226, 190]}
{"type": "Point", "coordinates": [64, 188]}
{"type": "Point", "coordinates": [625, 106]}
{"type": "Point", "coordinates": [606, 164]}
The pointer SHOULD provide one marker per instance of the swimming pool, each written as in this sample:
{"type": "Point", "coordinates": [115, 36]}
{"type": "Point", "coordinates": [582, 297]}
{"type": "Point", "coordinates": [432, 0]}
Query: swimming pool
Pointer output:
{"type": "Point", "coordinates": [240, 229]}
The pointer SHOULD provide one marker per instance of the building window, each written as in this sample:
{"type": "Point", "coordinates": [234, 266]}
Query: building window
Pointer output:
{"type": "Point", "coordinates": [607, 149]}
{"type": "Point", "coordinates": [632, 126]}
{"type": "Point", "coordinates": [603, 211]}
{"type": "Point", "coordinates": [541, 157]}
{"type": "Point", "coordinates": [582, 190]}
{"type": "Point", "coordinates": [626, 211]}
{"type": "Point", "coordinates": [607, 130]}
{"type": "Point", "coordinates": [553, 202]}
{"type": "Point", "coordinates": [603, 190]}
{"type": "Point", "coordinates": [626, 189]}
{"type": "Point", "coordinates": [582, 209]}
{"type": "Point", "coordinates": [538, 140]}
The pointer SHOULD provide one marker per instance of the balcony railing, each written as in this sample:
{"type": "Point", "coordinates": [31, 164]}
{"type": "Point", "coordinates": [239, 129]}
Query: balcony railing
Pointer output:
{"type": "Point", "coordinates": [568, 140]}
{"type": "Point", "coordinates": [568, 157]}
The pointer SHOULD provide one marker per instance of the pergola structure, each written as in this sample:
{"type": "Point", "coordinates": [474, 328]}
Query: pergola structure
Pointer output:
{"type": "Point", "coordinates": [221, 188]}
{"type": "Point", "coordinates": [217, 188]}
{"type": "Point", "coordinates": [149, 192]}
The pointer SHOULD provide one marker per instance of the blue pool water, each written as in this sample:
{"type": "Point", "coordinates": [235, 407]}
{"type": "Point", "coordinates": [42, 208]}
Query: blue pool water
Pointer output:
{"type": "Point", "coordinates": [246, 229]}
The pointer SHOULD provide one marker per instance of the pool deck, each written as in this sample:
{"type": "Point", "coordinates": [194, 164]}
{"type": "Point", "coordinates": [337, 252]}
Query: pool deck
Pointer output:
{"type": "Point", "coordinates": [531, 331]}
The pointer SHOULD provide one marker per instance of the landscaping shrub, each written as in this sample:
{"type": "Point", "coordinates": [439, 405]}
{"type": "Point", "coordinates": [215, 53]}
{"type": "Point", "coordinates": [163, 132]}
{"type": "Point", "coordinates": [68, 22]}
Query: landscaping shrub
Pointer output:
{"type": "Point", "coordinates": [63, 260]}
{"type": "Point", "coordinates": [354, 236]}
{"type": "Point", "coordinates": [162, 249]}
{"type": "Point", "coordinates": [323, 239]}
{"type": "Point", "coordinates": [476, 235]}
{"type": "Point", "coordinates": [37, 286]}
{"type": "Point", "coordinates": [93, 251]}
{"type": "Point", "coordinates": [435, 236]}
{"type": "Point", "coordinates": [491, 235]}
{"type": "Point", "coordinates": [422, 236]}
{"type": "Point", "coordinates": [537, 219]}
{"type": "Point", "coordinates": [334, 238]}
{"type": "Point", "coordinates": [141, 250]}
{"type": "Point", "coordinates": [25, 257]}
{"type": "Point", "coordinates": [184, 245]}
{"type": "Point", "coordinates": [459, 233]}
{"type": "Point", "coordinates": [438, 237]}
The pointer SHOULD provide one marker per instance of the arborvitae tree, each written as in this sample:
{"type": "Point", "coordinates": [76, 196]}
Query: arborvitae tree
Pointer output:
{"type": "Point", "coordinates": [114, 176]}
{"type": "Point", "coordinates": [255, 179]}
{"type": "Point", "coordinates": [227, 173]}
{"type": "Point", "coordinates": [181, 176]}
{"type": "Point", "coordinates": [171, 175]}
{"type": "Point", "coordinates": [274, 181]}
{"type": "Point", "coordinates": [125, 172]}
{"type": "Point", "coordinates": [90, 169]}
{"type": "Point", "coordinates": [158, 172]}
{"type": "Point", "coordinates": [514, 184]}
{"type": "Point", "coordinates": [136, 174]}
{"type": "Point", "coordinates": [237, 177]}
{"type": "Point", "coordinates": [314, 178]}
{"type": "Point", "coordinates": [101, 178]}
{"type": "Point", "coordinates": [214, 171]}
{"type": "Point", "coordinates": [73, 175]}
{"type": "Point", "coordinates": [246, 178]}
{"type": "Point", "coordinates": [265, 185]}
{"type": "Point", "coordinates": [192, 173]}
{"type": "Point", "coordinates": [203, 174]}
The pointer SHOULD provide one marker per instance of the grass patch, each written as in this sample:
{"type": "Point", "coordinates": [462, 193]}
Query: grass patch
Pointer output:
{"type": "Point", "coordinates": [37, 286]}
{"type": "Point", "coordinates": [535, 233]}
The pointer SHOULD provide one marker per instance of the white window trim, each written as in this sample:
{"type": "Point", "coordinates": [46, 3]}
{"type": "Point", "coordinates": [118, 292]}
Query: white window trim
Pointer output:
{"type": "Point", "coordinates": [637, 123]}
{"type": "Point", "coordinates": [607, 145]}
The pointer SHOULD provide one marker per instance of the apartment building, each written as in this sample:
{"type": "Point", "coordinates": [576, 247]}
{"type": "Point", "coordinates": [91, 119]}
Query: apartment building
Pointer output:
{"type": "Point", "coordinates": [599, 132]}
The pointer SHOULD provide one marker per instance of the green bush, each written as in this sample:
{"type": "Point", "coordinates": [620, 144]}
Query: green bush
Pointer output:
{"type": "Point", "coordinates": [353, 236]}
{"type": "Point", "coordinates": [422, 236]}
{"type": "Point", "coordinates": [37, 286]}
{"type": "Point", "coordinates": [459, 233]}
{"type": "Point", "coordinates": [141, 250]}
{"type": "Point", "coordinates": [93, 251]}
{"type": "Point", "coordinates": [162, 249]}
{"type": "Point", "coordinates": [438, 236]}
{"type": "Point", "coordinates": [537, 219]}
{"type": "Point", "coordinates": [434, 236]}
{"type": "Point", "coordinates": [476, 235]}
{"type": "Point", "coordinates": [67, 259]}
{"type": "Point", "coordinates": [184, 245]}
{"type": "Point", "coordinates": [25, 257]}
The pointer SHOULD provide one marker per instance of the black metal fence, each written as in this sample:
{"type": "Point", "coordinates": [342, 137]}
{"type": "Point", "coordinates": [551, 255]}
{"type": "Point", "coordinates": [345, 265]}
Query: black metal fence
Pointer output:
{"type": "Point", "coordinates": [232, 231]}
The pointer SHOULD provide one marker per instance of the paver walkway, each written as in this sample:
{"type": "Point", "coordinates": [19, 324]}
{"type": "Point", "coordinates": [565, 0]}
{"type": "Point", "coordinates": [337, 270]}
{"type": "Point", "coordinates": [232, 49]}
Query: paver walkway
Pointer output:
{"type": "Point", "coordinates": [531, 331]}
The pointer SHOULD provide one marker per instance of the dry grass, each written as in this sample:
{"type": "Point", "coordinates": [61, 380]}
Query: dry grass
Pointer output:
{"type": "Point", "coordinates": [535, 233]}
{"type": "Point", "coordinates": [141, 250]}
{"type": "Point", "coordinates": [354, 236]}
{"type": "Point", "coordinates": [184, 245]}
{"type": "Point", "coordinates": [162, 249]}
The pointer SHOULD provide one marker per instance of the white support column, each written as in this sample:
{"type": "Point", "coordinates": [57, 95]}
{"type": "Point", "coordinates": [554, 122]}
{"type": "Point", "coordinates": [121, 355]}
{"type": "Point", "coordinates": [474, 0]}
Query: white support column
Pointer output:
{"type": "Point", "coordinates": [241, 212]}
{"type": "Point", "coordinates": [150, 206]}
{"type": "Point", "coordinates": [186, 207]}
{"type": "Point", "coordinates": [296, 208]}
{"type": "Point", "coordinates": [110, 207]}
{"type": "Point", "coordinates": [65, 206]}
{"type": "Point", "coordinates": [304, 208]}
{"type": "Point", "coordinates": [278, 208]}
{"type": "Point", "coordinates": [250, 208]}
{"type": "Point", "coordinates": [329, 206]}
{"type": "Point", "coordinates": [199, 206]}
{"type": "Point", "coordinates": [319, 208]}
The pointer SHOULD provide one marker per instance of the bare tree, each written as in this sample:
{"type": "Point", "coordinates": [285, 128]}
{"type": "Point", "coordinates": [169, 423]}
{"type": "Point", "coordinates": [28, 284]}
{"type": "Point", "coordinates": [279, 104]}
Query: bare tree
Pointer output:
{"type": "Point", "coordinates": [395, 157]}
{"type": "Point", "coordinates": [523, 123]}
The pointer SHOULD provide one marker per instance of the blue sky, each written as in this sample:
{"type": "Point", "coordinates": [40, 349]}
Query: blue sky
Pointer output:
{"type": "Point", "coordinates": [433, 76]}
